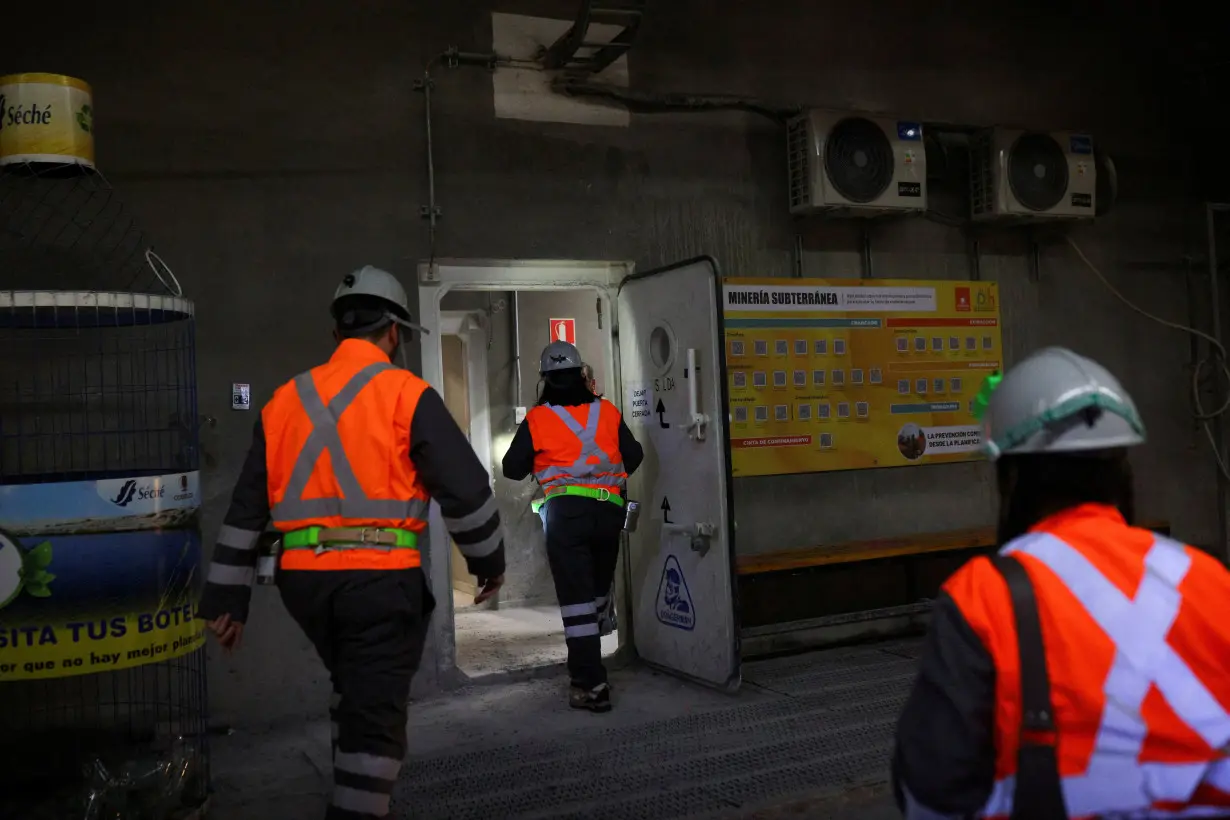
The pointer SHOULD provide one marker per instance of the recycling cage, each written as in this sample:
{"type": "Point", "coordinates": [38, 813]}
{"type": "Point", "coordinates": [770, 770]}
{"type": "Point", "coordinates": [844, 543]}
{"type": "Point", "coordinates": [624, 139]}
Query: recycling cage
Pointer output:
{"type": "Point", "coordinates": [99, 509]}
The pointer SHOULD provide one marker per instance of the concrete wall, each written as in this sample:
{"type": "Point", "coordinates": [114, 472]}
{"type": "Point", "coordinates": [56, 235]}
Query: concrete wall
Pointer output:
{"type": "Point", "coordinates": [536, 308]}
{"type": "Point", "coordinates": [270, 151]}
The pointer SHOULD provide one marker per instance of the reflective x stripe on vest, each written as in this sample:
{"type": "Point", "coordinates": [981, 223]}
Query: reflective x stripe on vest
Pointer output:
{"type": "Point", "coordinates": [1114, 779]}
{"type": "Point", "coordinates": [582, 471]}
{"type": "Point", "coordinates": [354, 503]}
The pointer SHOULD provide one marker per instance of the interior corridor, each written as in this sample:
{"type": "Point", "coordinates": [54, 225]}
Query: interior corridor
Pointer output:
{"type": "Point", "coordinates": [490, 641]}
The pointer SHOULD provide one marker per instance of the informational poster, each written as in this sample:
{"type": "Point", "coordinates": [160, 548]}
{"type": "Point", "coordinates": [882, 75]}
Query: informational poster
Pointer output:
{"type": "Point", "coordinates": [849, 374]}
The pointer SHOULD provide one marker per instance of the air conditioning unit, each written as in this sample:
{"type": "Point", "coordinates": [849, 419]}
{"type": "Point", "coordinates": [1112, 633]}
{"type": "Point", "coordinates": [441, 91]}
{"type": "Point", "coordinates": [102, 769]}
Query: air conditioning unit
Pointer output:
{"type": "Point", "coordinates": [1032, 175]}
{"type": "Point", "coordinates": [846, 164]}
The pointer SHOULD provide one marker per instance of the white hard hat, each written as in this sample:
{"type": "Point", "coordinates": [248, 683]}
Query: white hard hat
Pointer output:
{"type": "Point", "coordinates": [1056, 401]}
{"type": "Point", "coordinates": [559, 356]}
{"type": "Point", "coordinates": [372, 281]}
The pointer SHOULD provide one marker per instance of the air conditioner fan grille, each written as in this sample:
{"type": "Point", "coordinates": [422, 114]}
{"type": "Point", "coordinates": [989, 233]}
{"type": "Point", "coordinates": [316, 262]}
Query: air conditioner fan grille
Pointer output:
{"type": "Point", "coordinates": [1037, 171]}
{"type": "Point", "coordinates": [858, 159]}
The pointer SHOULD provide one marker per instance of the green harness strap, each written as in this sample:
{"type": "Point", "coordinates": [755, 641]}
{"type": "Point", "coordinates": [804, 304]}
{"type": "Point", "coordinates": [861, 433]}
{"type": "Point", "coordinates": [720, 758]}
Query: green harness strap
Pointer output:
{"type": "Point", "coordinates": [308, 538]}
{"type": "Point", "coordinates": [583, 492]}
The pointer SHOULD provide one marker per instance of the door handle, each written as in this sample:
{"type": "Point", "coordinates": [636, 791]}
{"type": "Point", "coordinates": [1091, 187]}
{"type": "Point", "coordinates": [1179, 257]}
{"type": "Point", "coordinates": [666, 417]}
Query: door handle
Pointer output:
{"type": "Point", "coordinates": [699, 534]}
{"type": "Point", "coordinates": [697, 421]}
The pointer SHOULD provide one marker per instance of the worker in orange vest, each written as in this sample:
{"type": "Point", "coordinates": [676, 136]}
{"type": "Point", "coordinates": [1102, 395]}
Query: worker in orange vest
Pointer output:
{"type": "Point", "coordinates": [581, 453]}
{"type": "Point", "coordinates": [344, 462]}
{"type": "Point", "coordinates": [1083, 671]}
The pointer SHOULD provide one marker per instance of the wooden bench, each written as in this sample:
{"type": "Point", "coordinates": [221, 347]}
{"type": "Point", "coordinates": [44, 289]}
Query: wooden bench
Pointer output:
{"type": "Point", "coordinates": [880, 548]}
{"type": "Point", "coordinates": [808, 597]}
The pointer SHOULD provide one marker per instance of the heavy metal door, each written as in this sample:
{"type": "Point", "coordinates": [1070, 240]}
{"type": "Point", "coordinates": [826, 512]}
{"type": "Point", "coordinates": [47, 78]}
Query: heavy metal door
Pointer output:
{"type": "Point", "coordinates": [681, 556]}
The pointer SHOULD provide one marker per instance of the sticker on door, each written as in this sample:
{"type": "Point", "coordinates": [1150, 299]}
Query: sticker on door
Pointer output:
{"type": "Point", "coordinates": [674, 601]}
{"type": "Point", "coordinates": [639, 405]}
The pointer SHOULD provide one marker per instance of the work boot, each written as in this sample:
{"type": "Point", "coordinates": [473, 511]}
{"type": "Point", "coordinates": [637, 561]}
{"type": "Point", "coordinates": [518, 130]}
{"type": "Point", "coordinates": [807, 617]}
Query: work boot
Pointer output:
{"type": "Point", "coordinates": [597, 699]}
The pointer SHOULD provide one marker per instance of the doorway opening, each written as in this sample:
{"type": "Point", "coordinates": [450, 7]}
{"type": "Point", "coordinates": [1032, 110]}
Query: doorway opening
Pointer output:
{"type": "Point", "coordinates": [490, 341]}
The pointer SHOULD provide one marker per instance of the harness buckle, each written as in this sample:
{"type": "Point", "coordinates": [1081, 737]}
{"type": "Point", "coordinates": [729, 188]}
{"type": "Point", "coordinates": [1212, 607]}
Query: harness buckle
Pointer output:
{"type": "Point", "coordinates": [364, 535]}
{"type": "Point", "coordinates": [604, 495]}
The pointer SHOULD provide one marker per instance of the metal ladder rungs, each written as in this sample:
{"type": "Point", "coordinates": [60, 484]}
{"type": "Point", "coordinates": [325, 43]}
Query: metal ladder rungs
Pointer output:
{"type": "Point", "coordinates": [562, 54]}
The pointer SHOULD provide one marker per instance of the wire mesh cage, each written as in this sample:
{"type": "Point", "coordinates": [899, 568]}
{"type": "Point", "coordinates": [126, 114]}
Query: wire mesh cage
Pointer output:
{"type": "Point", "coordinates": [127, 745]}
{"type": "Point", "coordinates": [103, 704]}
{"type": "Point", "coordinates": [64, 227]}
{"type": "Point", "coordinates": [94, 385]}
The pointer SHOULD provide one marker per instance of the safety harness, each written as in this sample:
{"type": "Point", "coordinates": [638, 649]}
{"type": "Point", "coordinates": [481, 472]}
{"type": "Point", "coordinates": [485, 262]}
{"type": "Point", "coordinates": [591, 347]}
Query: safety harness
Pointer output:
{"type": "Point", "coordinates": [321, 539]}
{"type": "Point", "coordinates": [581, 470]}
{"type": "Point", "coordinates": [353, 501]}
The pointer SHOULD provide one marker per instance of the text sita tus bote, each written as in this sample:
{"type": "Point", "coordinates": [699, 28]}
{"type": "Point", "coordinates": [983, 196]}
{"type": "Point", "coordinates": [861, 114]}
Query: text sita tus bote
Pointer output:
{"type": "Point", "coordinates": [104, 629]}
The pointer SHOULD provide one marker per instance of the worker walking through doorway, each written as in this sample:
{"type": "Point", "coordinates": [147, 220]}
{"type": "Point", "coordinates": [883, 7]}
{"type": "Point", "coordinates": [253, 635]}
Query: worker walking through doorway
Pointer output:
{"type": "Point", "coordinates": [1084, 671]}
{"type": "Point", "coordinates": [581, 452]}
{"type": "Point", "coordinates": [350, 571]}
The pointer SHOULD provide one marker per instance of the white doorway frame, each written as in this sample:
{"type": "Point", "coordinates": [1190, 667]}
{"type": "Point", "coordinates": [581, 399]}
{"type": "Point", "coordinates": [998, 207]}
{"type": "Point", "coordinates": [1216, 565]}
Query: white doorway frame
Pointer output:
{"type": "Point", "coordinates": [470, 328]}
{"type": "Point", "coordinates": [439, 668]}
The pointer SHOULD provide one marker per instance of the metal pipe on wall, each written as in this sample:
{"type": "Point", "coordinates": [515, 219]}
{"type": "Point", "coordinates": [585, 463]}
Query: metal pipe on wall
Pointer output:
{"type": "Point", "coordinates": [450, 58]}
{"type": "Point", "coordinates": [516, 340]}
{"type": "Point", "coordinates": [865, 253]}
{"type": "Point", "coordinates": [1223, 526]}
{"type": "Point", "coordinates": [431, 211]}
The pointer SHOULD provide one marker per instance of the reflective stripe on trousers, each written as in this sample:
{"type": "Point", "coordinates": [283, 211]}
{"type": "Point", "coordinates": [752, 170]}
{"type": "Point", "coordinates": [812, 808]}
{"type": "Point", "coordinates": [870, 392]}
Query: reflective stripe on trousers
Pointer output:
{"type": "Point", "coordinates": [354, 503]}
{"type": "Point", "coordinates": [1114, 780]}
{"type": "Point", "coordinates": [364, 782]}
{"type": "Point", "coordinates": [582, 471]}
{"type": "Point", "coordinates": [580, 620]}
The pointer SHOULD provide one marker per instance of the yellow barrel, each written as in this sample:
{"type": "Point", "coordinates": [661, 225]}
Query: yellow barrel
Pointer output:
{"type": "Point", "coordinates": [46, 118]}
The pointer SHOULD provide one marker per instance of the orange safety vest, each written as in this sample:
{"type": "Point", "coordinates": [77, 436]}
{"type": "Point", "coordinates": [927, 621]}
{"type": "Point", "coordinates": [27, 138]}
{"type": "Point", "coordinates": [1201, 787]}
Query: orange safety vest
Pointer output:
{"type": "Point", "coordinates": [1137, 635]}
{"type": "Point", "coordinates": [337, 450]}
{"type": "Point", "coordinates": [577, 446]}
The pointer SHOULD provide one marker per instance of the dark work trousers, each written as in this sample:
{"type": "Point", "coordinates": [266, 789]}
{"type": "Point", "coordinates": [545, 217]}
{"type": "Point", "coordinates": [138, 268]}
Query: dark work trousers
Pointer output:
{"type": "Point", "coordinates": [583, 548]}
{"type": "Point", "coordinates": [369, 628]}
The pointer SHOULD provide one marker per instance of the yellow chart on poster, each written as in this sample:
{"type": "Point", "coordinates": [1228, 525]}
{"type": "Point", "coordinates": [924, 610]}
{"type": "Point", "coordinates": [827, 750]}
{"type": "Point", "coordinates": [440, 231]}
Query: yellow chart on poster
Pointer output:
{"type": "Point", "coordinates": [844, 374]}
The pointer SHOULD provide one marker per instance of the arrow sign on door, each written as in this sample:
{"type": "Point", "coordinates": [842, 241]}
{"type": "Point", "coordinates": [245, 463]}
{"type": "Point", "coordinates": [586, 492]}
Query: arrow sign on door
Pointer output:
{"type": "Point", "coordinates": [661, 411]}
{"type": "Point", "coordinates": [666, 510]}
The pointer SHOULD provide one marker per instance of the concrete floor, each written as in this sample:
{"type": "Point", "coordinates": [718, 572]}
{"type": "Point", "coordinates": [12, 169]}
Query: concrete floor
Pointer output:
{"type": "Point", "coordinates": [491, 641]}
{"type": "Point", "coordinates": [807, 736]}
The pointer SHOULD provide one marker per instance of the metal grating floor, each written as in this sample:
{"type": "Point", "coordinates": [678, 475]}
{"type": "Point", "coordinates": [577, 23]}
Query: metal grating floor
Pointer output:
{"type": "Point", "coordinates": [829, 724]}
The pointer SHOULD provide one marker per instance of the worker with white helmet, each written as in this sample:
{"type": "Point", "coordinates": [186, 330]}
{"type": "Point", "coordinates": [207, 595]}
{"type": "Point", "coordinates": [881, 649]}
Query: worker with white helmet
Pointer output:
{"type": "Point", "coordinates": [1084, 670]}
{"type": "Point", "coordinates": [581, 452]}
{"type": "Point", "coordinates": [349, 569]}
